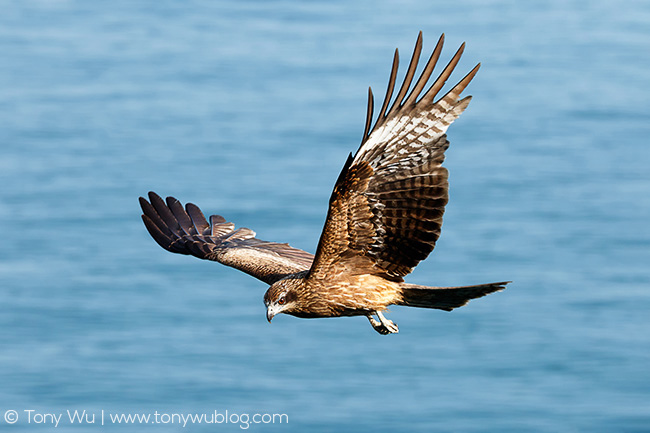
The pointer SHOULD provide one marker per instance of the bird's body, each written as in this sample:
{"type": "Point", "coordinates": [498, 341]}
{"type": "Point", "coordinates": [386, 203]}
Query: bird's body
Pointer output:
{"type": "Point", "coordinates": [343, 295]}
{"type": "Point", "coordinates": [384, 217]}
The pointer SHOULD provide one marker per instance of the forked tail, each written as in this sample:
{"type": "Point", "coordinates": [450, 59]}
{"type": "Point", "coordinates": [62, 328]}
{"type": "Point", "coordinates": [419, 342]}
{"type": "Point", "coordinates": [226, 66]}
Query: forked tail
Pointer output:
{"type": "Point", "coordinates": [445, 298]}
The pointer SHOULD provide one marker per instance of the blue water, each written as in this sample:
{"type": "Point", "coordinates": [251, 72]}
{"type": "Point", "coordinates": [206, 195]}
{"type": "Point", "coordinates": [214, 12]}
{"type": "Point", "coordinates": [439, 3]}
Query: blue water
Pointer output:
{"type": "Point", "coordinates": [249, 110]}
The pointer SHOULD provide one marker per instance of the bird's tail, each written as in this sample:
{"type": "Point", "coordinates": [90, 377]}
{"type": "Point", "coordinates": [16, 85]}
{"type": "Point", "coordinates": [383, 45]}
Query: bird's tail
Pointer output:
{"type": "Point", "coordinates": [445, 298]}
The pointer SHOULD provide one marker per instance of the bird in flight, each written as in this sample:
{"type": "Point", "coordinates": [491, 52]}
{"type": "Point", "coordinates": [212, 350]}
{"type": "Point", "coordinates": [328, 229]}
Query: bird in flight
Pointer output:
{"type": "Point", "coordinates": [384, 216]}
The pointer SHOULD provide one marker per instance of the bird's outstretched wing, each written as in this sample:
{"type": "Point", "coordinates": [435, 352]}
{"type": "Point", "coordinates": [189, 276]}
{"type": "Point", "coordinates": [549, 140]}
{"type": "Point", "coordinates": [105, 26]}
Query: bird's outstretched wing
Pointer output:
{"type": "Point", "coordinates": [186, 231]}
{"type": "Point", "coordinates": [386, 209]}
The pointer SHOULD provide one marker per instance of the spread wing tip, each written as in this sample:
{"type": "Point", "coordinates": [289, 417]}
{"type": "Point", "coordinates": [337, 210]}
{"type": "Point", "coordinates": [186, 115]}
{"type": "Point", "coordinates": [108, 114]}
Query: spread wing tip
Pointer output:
{"type": "Point", "coordinates": [416, 97]}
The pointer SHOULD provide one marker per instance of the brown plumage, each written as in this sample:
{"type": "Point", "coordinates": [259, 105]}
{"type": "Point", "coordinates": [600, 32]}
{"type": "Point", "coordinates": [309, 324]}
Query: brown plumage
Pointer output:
{"type": "Point", "coordinates": [385, 216]}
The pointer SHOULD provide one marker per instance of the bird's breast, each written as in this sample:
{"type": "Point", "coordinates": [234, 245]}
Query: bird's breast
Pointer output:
{"type": "Point", "coordinates": [350, 296]}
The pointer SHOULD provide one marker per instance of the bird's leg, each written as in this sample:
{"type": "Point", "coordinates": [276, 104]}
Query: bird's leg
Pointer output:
{"type": "Point", "coordinates": [376, 324]}
{"type": "Point", "coordinates": [383, 325]}
{"type": "Point", "coordinates": [388, 324]}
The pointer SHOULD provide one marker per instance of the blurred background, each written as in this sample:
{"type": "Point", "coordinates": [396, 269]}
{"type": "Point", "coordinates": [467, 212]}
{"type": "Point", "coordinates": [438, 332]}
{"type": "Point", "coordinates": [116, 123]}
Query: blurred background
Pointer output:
{"type": "Point", "coordinates": [249, 110]}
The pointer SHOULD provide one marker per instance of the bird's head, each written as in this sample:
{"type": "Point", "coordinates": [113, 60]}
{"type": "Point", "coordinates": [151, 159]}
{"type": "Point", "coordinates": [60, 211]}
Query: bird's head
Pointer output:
{"type": "Point", "coordinates": [281, 297]}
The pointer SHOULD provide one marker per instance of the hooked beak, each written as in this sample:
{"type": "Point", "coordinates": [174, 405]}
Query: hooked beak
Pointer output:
{"type": "Point", "coordinates": [270, 312]}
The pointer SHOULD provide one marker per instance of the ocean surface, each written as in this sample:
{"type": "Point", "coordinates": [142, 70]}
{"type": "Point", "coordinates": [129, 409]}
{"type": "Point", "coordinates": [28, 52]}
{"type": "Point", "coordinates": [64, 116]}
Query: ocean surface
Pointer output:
{"type": "Point", "coordinates": [249, 109]}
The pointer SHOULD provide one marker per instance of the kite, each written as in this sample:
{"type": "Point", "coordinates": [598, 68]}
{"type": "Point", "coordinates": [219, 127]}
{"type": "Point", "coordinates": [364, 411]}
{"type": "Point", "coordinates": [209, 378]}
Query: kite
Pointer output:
{"type": "Point", "coordinates": [384, 217]}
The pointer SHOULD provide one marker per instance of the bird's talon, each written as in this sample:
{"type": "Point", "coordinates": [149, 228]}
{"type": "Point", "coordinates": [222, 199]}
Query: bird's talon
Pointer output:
{"type": "Point", "coordinates": [383, 325]}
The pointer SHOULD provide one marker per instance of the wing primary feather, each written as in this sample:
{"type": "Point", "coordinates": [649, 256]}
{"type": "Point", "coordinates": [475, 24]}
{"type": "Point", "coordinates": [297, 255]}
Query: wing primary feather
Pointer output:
{"type": "Point", "coordinates": [164, 212]}
{"type": "Point", "coordinates": [397, 104]}
{"type": "Point", "coordinates": [151, 213]}
{"type": "Point", "coordinates": [181, 216]}
{"type": "Point", "coordinates": [390, 88]}
{"type": "Point", "coordinates": [462, 84]}
{"type": "Point", "coordinates": [198, 219]}
{"type": "Point", "coordinates": [166, 241]}
{"type": "Point", "coordinates": [426, 74]}
{"type": "Point", "coordinates": [444, 75]}
{"type": "Point", "coordinates": [371, 104]}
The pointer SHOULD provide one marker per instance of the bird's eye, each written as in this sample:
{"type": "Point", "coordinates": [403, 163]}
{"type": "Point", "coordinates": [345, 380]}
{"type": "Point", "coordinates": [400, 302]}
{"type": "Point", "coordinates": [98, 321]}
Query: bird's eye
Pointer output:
{"type": "Point", "coordinates": [281, 301]}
